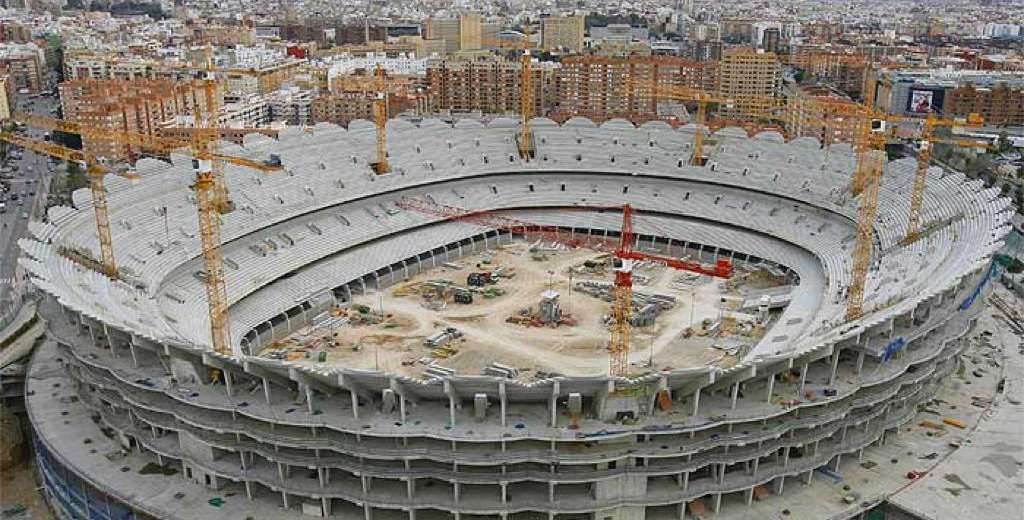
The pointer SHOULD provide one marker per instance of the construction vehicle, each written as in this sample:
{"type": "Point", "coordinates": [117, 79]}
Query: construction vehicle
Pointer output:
{"type": "Point", "coordinates": [479, 279]}
{"type": "Point", "coordinates": [623, 252]}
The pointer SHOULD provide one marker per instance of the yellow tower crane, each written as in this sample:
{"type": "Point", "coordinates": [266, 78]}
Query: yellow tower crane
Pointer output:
{"type": "Point", "coordinates": [526, 100]}
{"type": "Point", "coordinates": [96, 172]}
{"type": "Point", "coordinates": [380, 118]}
{"type": "Point", "coordinates": [703, 99]}
{"type": "Point", "coordinates": [924, 156]}
{"type": "Point", "coordinates": [204, 186]}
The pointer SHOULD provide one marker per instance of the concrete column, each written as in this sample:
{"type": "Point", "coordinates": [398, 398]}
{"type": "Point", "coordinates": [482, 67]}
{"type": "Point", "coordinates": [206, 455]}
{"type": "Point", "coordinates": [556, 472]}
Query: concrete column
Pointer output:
{"type": "Point", "coordinates": [553, 405]}
{"type": "Point", "coordinates": [266, 389]}
{"type": "Point", "coordinates": [785, 457]}
{"type": "Point", "coordinates": [803, 378]}
{"type": "Point", "coordinates": [686, 481]}
{"type": "Point", "coordinates": [410, 488]}
{"type": "Point", "coordinates": [451, 402]}
{"type": "Point", "coordinates": [355, 404]}
{"type": "Point", "coordinates": [131, 348]}
{"type": "Point", "coordinates": [750, 496]}
{"type": "Point", "coordinates": [284, 499]}
{"type": "Point", "coordinates": [735, 394]}
{"type": "Point", "coordinates": [835, 462]}
{"type": "Point", "coordinates": [320, 476]}
{"type": "Point", "coordinates": [757, 461]}
{"type": "Point", "coordinates": [780, 482]}
{"type": "Point", "coordinates": [835, 367]}
{"type": "Point", "coordinates": [504, 402]}
{"type": "Point", "coordinates": [771, 387]}
{"type": "Point", "coordinates": [696, 401]}
{"type": "Point", "coordinates": [455, 492]}
{"type": "Point", "coordinates": [810, 474]}
{"type": "Point", "coordinates": [860, 362]}
{"type": "Point", "coordinates": [364, 481]}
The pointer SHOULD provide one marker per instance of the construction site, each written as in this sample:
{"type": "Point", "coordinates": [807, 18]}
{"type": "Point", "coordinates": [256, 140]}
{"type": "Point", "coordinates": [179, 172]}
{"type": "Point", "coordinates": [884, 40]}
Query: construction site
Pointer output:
{"type": "Point", "coordinates": [536, 310]}
{"type": "Point", "coordinates": [508, 319]}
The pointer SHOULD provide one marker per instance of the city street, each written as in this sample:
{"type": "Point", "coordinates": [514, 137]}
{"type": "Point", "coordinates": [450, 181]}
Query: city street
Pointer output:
{"type": "Point", "coordinates": [27, 176]}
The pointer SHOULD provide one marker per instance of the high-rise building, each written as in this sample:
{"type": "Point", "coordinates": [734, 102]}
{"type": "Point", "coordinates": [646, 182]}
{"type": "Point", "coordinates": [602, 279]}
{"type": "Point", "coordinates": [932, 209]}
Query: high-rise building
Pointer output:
{"type": "Point", "coordinates": [706, 50]}
{"type": "Point", "coordinates": [25, 63]}
{"type": "Point", "coordinates": [445, 29]}
{"type": "Point", "coordinates": [771, 39]}
{"type": "Point", "coordinates": [602, 88]}
{"type": "Point", "coordinates": [562, 33]}
{"type": "Point", "coordinates": [490, 85]}
{"type": "Point", "coordinates": [469, 32]}
{"type": "Point", "coordinates": [141, 106]}
{"type": "Point", "coordinates": [465, 33]}
{"type": "Point", "coordinates": [1000, 105]}
{"type": "Point", "coordinates": [750, 76]}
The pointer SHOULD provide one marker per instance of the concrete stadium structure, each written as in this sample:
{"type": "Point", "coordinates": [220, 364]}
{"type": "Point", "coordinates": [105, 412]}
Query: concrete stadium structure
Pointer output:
{"type": "Point", "coordinates": [348, 443]}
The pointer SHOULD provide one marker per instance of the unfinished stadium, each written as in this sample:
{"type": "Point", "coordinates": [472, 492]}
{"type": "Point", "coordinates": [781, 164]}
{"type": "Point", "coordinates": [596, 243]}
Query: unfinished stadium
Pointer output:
{"type": "Point", "coordinates": [361, 385]}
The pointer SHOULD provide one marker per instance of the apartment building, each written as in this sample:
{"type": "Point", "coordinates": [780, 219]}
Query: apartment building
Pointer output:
{"type": "Point", "coordinates": [562, 33]}
{"type": "Point", "coordinates": [749, 76]}
{"type": "Point", "coordinates": [811, 113]}
{"type": "Point", "coordinates": [25, 64]}
{"type": "Point", "coordinates": [468, 32]}
{"type": "Point", "coordinates": [602, 88]}
{"type": "Point", "coordinates": [341, 108]}
{"type": "Point", "coordinates": [490, 85]}
{"type": "Point", "coordinates": [140, 106]}
{"type": "Point", "coordinates": [1000, 105]}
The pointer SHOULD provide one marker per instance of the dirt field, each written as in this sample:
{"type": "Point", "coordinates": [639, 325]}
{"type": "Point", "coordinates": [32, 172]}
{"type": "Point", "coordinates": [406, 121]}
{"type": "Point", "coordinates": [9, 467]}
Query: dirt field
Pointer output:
{"type": "Point", "coordinates": [397, 342]}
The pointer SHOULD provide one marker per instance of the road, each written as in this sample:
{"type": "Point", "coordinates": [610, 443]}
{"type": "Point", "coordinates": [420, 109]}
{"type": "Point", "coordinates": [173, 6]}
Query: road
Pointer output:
{"type": "Point", "coordinates": [31, 183]}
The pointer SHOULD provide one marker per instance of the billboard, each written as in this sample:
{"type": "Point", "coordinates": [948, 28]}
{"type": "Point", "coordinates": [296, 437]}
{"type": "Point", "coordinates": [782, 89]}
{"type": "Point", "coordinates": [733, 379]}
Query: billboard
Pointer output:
{"type": "Point", "coordinates": [923, 101]}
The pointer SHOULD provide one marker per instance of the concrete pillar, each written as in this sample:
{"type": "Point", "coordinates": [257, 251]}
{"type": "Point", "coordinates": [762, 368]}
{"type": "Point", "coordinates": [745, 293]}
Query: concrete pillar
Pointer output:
{"type": "Point", "coordinates": [810, 474]}
{"type": "Point", "coordinates": [504, 402]}
{"type": "Point", "coordinates": [355, 404]}
{"type": "Point", "coordinates": [553, 405]}
{"type": "Point", "coordinates": [860, 362]}
{"type": "Point", "coordinates": [696, 401]}
{"type": "Point", "coordinates": [771, 387]}
{"type": "Point", "coordinates": [266, 389]}
{"type": "Point", "coordinates": [757, 461]}
{"type": "Point", "coordinates": [835, 367]}
{"type": "Point", "coordinates": [835, 462]}
{"type": "Point", "coordinates": [735, 394]}
{"type": "Point", "coordinates": [803, 378]}
{"type": "Point", "coordinates": [785, 457]}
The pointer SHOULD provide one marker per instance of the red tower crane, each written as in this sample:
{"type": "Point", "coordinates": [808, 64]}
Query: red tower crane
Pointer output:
{"type": "Point", "coordinates": [622, 301]}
